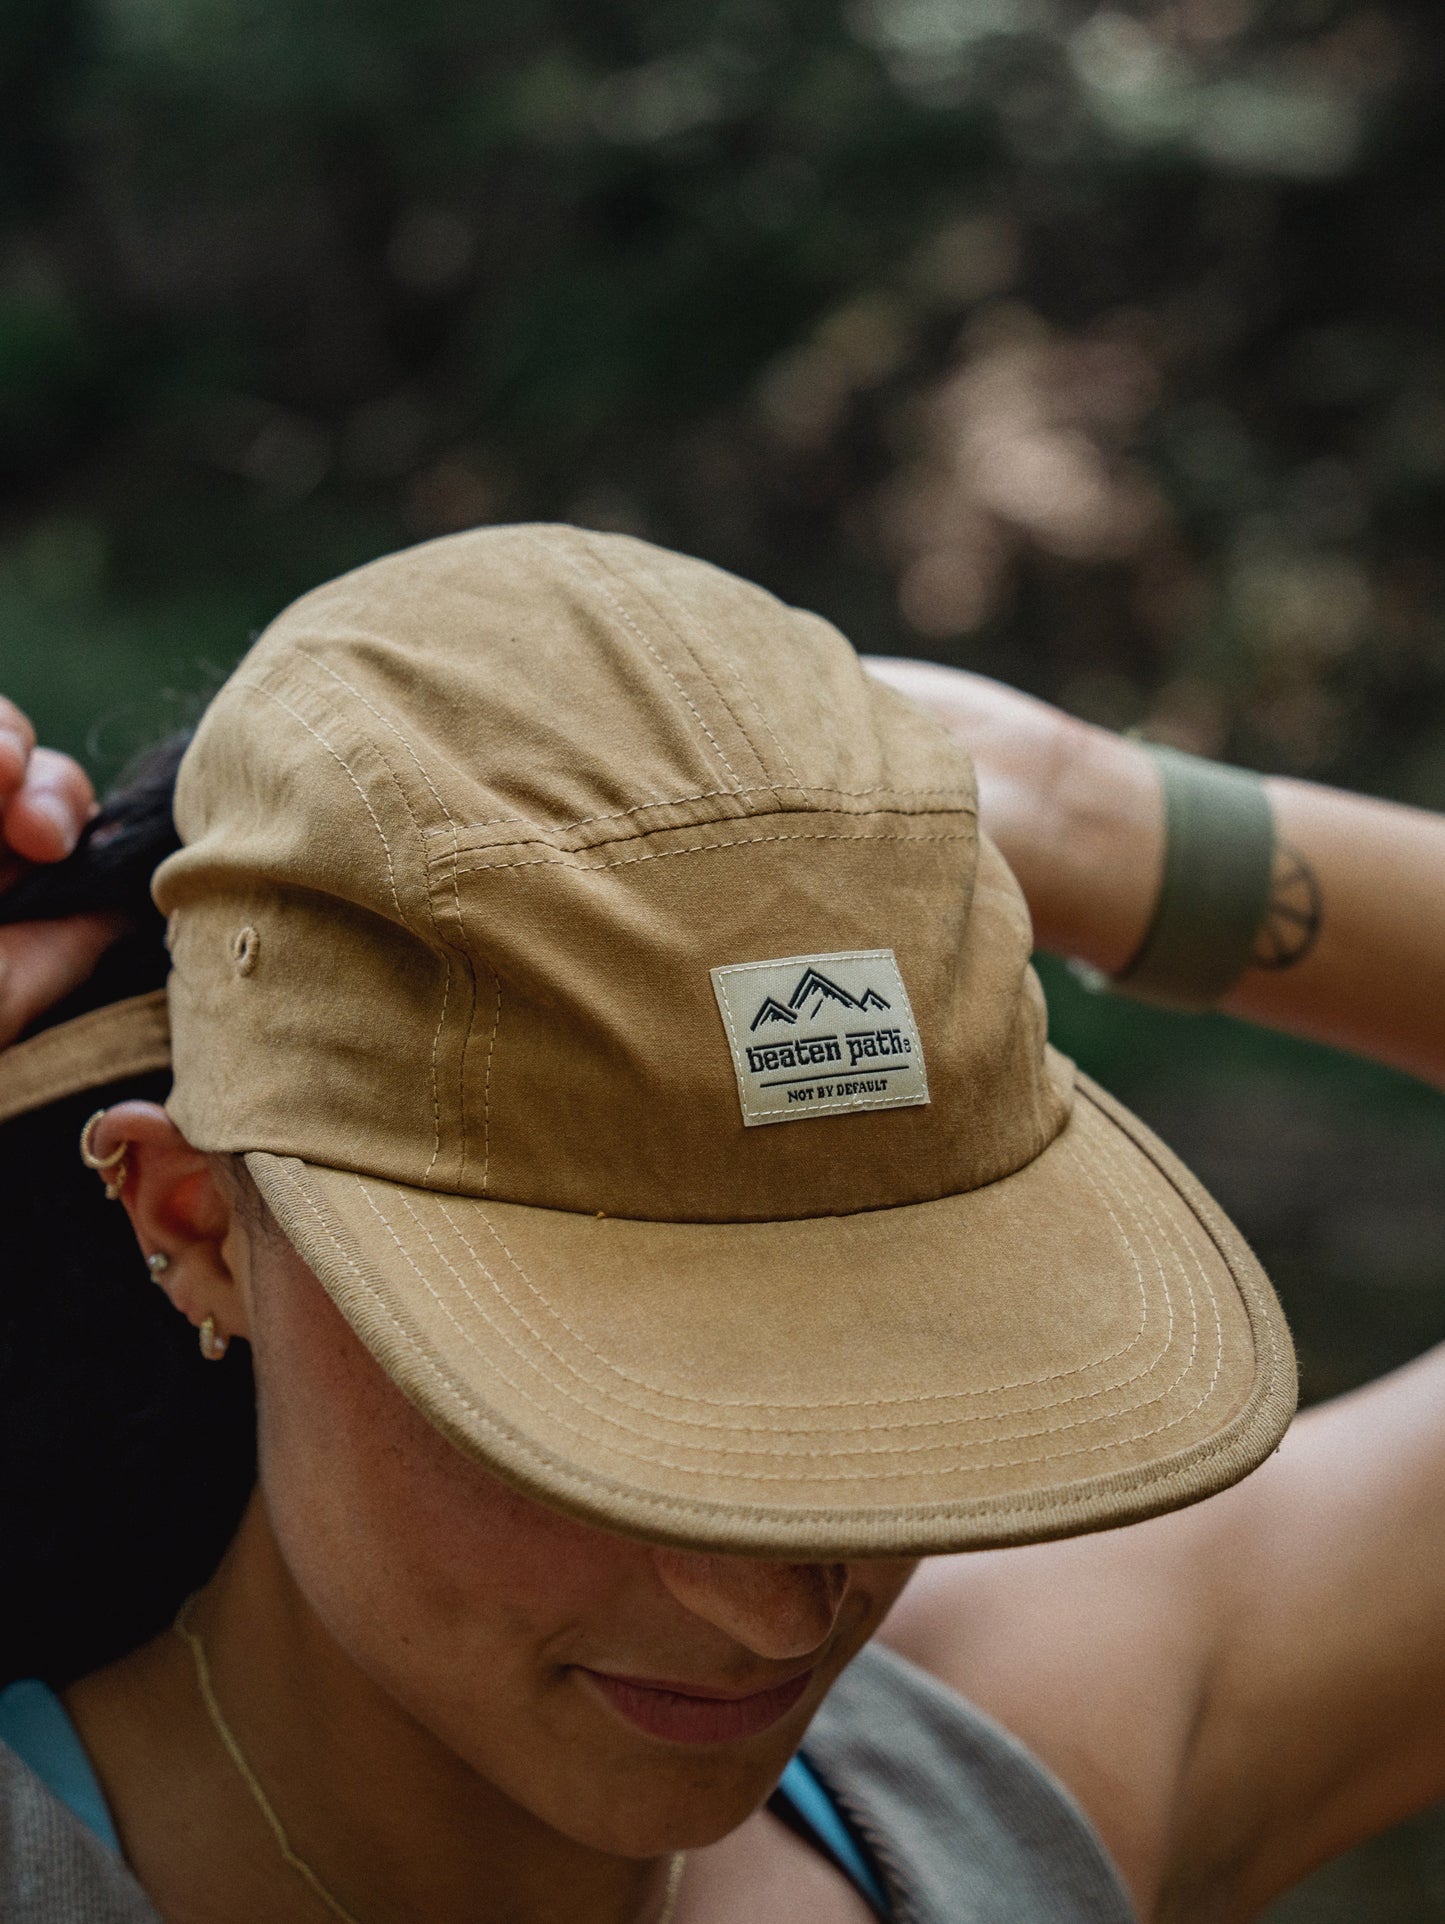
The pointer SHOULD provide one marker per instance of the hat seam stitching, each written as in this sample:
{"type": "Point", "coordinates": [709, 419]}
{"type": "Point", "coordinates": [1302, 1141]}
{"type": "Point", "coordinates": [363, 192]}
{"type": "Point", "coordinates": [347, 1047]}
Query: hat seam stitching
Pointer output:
{"type": "Point", "coordinates": [1220, 1228]}
{"type": "Point", "coordinates": [677, 629]}
{"type": "Point", "coordinates": [466, 1041]}
{"type": "Point", "coordinates": [656, 594]}
{"type": "Point", "coordinates": [759, 1222]}
{"type": "Point", "coordinates": [615, 1421]}
{"type": "Point", "coordinates": [447, 948]}
{"type": "Point", "coordinates": [993, 1390]}
{"type": "Point", "coordinates": [1260, 1307]}
{"type": "Point", "coordinates": [815, 1406]}
{"type": "Point", "coordinates": [569, 562]}
{"type": "Point", "coordinates": [563, 858]}
{"type": "Point", "coordinates": [487, 1080]}
{"type": "Point", "coordinates": [441, 943]}
{"type": "Point", "coordinates": [1067, 1501]}
{"type": "Point", "coordinates": [248, 681]}
{"type": "Point", "coordinates": [1021, 1383]}
{"type": "Point", "coordinates": [669, 1463]}
{"type": "Point", "coordinates": [933, 800]}
{"type": "Point", "coordinates": [386, 721]}
{"type": "Point", "coordinates": [268, 666]}
{"type": "Point", "coordinates": [688, 617]}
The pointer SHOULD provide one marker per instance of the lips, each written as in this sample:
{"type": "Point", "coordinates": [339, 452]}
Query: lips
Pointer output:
{"type": "Point", "coordinates": [695, 1716]}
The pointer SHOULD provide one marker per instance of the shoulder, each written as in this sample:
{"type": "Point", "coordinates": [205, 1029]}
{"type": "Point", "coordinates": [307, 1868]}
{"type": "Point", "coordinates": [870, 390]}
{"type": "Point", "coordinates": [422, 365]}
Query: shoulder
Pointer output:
{"type": "Point", "coordinates": [1092, 1653]}
{"type": "Point", "coordinates": [956, 1811]}
{"type": "Point", "coordinates": [1242, 1689]}
{"type": "Point", "coordinates": [51, 1866]}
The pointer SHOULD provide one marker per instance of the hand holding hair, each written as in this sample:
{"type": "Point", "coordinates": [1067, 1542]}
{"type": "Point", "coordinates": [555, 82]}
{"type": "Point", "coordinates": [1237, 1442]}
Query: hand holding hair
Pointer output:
{"type": "Point", "coordinates": [45, 802]}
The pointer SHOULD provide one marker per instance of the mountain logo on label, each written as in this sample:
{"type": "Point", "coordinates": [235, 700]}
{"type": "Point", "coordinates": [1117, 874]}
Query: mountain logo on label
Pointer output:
{"type": "Point", "coordinates": [815, 987]}
{"type": "Point", "coordinates": [772, 1011]}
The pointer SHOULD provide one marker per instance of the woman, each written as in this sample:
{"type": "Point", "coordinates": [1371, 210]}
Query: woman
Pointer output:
{"type": "Point", "coordinates": [611, 1103]}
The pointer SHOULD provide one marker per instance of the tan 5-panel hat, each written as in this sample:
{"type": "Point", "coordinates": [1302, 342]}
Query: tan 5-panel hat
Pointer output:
{"type": "Point", "coordinates": [624, 1017]}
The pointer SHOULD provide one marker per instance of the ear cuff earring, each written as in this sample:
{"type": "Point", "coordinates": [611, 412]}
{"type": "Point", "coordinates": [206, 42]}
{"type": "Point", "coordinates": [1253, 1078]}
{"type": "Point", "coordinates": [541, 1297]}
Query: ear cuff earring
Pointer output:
{"type": "Point", "coordinates": [112, 1167]}
{"type": "Point", "coordinates": [213, 1344]}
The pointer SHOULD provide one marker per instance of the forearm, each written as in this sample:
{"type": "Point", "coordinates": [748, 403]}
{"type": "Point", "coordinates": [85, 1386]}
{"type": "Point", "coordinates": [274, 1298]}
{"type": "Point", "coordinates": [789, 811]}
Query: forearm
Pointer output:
{"type": "Point", "coordinates": [1075, 809]}
{"type": "Point", "coordinates": [1079, 815]}
{"type": "Point", "coordinates": [1088, 850]}
{"type": "Point", "coordinates": [1374, 979]}
{"type": "Point", "coordinates": [1353, 949]}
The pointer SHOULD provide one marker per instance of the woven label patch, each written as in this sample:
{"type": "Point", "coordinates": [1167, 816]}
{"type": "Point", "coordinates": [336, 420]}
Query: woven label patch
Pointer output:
{"type": "Point", "coordinates": [816, 1035]}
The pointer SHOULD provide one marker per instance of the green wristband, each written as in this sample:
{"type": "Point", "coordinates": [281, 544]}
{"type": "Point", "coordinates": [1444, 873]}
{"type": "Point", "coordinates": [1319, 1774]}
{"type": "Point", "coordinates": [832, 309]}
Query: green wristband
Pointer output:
{"type": "Point", "coordinates": [1214, 896]}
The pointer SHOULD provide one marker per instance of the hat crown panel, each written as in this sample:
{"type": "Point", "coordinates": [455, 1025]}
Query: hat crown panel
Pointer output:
{"type": "Point", "coordinates": [501, 803]}
{"type": "Point", "coordinates": [598, 1075]}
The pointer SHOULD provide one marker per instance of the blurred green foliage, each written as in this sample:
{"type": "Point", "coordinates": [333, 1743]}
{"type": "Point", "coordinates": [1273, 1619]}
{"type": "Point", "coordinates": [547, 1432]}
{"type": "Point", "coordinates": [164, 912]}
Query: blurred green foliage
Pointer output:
{"type": "Point", "coordinates": [1098, 347]}
{"type": "Point", "coordinates": [1095, 346]}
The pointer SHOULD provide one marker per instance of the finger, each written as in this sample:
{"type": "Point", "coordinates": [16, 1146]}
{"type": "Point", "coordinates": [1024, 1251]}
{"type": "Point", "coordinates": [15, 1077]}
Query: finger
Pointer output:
{"type": "Point", "coordinates": [17, 738]}
{"type": "Point", "coordinates": [40, 962]}
{"type": "Point", "coordinates": [42, 823]}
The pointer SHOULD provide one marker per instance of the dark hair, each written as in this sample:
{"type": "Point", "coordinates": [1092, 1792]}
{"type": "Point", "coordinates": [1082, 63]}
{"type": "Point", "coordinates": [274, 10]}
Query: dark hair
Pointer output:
{"type": "Point", "coordinates": [125, 1459]}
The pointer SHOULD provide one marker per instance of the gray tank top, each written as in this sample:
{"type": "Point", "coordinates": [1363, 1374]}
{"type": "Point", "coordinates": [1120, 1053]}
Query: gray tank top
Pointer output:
{"type": "Point", "coordinates": [963, 1824]}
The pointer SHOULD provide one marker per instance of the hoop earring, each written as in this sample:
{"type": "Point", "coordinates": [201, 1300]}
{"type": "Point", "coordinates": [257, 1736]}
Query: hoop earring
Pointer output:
{"type": "Point", "coordinates": [213, 1344]}
{"type": "Point", "coordinates": [111, 1168]}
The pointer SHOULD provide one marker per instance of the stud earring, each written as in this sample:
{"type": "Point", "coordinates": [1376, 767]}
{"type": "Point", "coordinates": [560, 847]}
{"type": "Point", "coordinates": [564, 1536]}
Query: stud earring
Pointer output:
{"type": "Point", "coordinates": [158, 1263]}
{"type": "Point", "coordinates": [213, 1344]}
{"type": "Point", "coordinates": [112, 1167]}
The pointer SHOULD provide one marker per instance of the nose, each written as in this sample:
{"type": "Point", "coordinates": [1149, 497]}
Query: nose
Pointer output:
{"type": "Point", "coordinates": [780, 1611]}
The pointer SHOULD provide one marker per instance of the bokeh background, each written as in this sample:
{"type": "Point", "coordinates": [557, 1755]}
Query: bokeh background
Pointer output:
{"type": "Point", "coordinates": [1096, 347]}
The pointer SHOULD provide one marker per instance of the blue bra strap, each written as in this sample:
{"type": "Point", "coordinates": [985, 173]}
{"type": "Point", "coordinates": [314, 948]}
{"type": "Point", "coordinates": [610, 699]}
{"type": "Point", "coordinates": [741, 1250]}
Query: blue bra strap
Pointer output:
{"type": "Point", "coordinates": [33, 1722]}
{"type": "Point", "coordinates": [808, 1796]}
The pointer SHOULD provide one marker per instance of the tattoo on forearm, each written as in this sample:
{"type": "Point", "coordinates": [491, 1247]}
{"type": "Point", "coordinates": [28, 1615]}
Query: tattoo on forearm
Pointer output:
{"type": "Point", "coordinates": [1292, 926]}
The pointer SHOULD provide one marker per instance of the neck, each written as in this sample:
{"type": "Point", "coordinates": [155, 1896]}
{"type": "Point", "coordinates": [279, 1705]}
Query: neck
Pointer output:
{"type": "Point", "coordinates": [390, 1821]}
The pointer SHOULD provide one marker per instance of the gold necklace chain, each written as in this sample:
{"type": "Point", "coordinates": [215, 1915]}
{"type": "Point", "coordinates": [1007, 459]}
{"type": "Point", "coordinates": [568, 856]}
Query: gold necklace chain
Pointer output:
{"type": "Point", "coordinates": [263, 1803]}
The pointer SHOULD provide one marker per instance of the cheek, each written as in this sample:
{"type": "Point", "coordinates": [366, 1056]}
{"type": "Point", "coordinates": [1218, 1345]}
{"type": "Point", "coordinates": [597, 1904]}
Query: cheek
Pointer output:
{"type": "Point", "coordinates": [398, 1541]}
{"type": "Point", "coordinates": [462, 1602]}
{"type": "Point", "coordinates": [465, 1603]}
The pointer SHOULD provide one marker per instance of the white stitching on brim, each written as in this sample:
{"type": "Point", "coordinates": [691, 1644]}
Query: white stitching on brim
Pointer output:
{"type": "Point", "coordinates": [870, 1402]}
{"type": "Point", "coordinates": [815, 1475]}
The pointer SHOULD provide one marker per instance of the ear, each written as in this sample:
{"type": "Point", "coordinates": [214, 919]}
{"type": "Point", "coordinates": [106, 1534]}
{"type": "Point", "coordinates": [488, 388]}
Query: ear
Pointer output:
{"type": "Point", "coordinates": [179, 1211]}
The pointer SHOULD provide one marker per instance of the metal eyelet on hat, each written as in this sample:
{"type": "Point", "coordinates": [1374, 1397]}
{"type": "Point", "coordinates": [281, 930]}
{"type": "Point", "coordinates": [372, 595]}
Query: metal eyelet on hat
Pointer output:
{"type": "Point", "coordinates": [244, 949]}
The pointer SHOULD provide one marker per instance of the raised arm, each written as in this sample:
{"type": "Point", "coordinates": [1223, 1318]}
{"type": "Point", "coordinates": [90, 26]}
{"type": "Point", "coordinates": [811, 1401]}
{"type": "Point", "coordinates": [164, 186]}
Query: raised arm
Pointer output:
{"type": "Point", "coordinates": [1078, 813]}
{"type": "Point", "coordinates": [1243, 1689]}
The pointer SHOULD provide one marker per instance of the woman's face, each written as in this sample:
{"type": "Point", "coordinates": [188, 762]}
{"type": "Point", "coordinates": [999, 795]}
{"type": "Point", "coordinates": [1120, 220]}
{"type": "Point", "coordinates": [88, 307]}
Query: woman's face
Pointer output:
{"type": "Point", "coordinates": [535, 1648]}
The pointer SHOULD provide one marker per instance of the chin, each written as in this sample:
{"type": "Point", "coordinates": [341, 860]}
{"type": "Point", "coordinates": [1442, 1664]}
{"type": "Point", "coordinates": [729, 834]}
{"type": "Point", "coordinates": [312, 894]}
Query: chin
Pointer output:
{"type": "Point", "coordinates": [652, 1810]}
{"type": "Point", "coordinates": [657, 1833]}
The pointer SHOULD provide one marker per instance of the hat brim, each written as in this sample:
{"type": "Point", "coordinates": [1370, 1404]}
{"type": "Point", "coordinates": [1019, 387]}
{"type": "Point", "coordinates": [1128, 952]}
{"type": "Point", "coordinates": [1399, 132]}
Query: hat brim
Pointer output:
{"type": "Point", "coordinates": [1082, 1344]}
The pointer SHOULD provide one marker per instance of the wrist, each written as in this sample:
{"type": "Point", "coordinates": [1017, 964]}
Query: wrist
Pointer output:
{"type": "Point", "coordinates": [1100, 850]}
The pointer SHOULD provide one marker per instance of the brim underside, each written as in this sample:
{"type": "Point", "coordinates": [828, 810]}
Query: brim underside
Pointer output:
{"type": "Point", "coordinates": [1083, 1344]}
